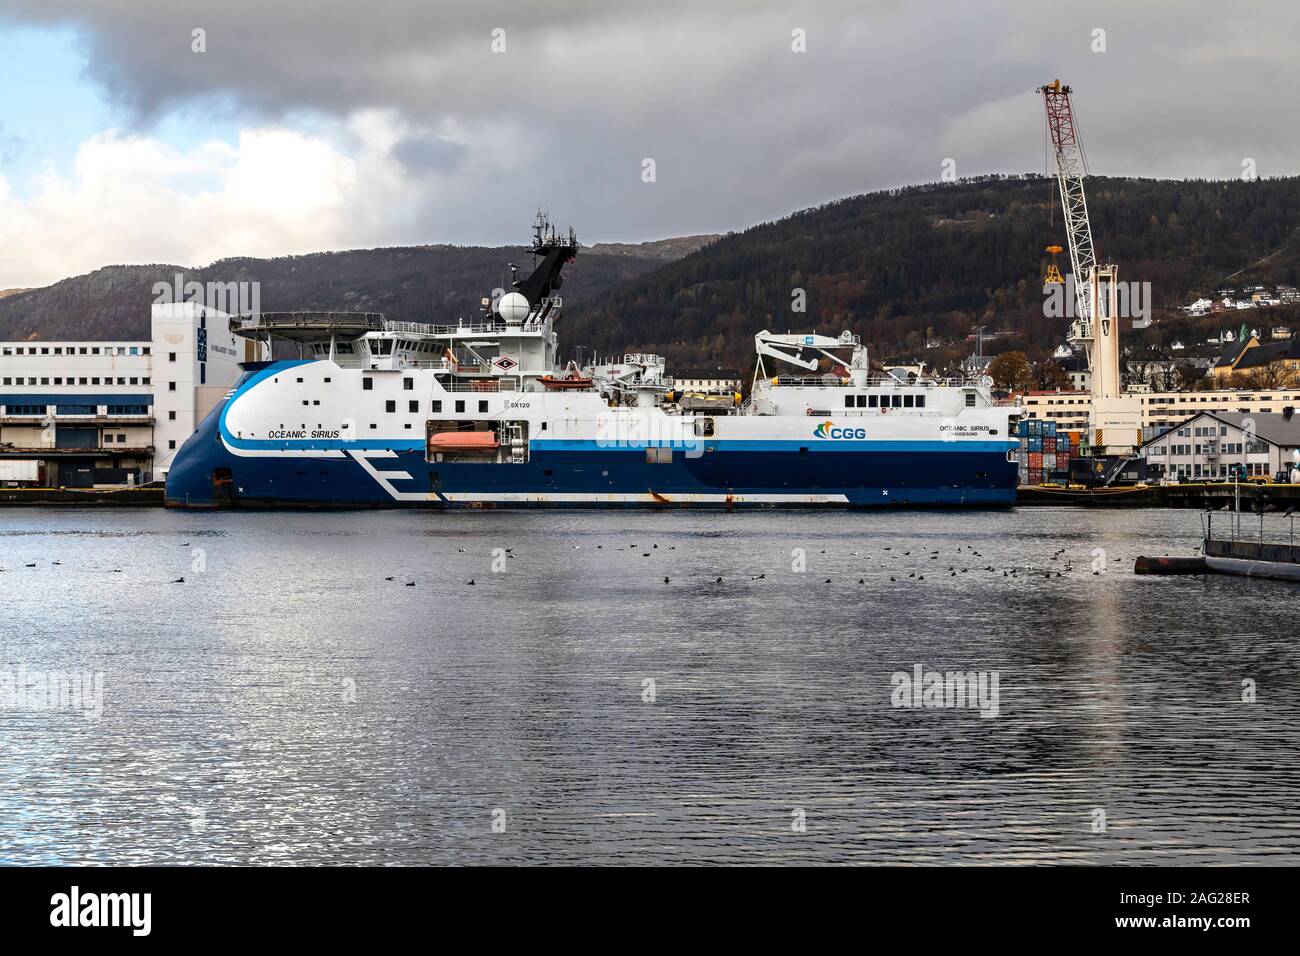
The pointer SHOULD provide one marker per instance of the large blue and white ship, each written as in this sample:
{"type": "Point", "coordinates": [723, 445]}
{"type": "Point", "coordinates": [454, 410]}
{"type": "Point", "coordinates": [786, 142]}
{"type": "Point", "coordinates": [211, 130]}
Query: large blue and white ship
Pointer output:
{"type": "Point", "coordinates": [380, 414]}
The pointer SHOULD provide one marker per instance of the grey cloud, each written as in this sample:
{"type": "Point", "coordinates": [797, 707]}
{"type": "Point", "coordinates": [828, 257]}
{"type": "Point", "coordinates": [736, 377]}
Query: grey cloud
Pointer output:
{"type": "Point", "coordinates": [741, 128]}
{"type": "Point", "coordinates": [428, 153]}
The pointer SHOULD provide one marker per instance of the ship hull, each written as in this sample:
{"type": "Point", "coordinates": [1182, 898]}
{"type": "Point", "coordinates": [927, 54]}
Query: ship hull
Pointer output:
{"type": "Point", "coordinates": [561, 474]}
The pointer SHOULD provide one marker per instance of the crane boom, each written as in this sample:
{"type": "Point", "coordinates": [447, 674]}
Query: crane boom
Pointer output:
{"type": "Point", "coordinates": [1070, 170]}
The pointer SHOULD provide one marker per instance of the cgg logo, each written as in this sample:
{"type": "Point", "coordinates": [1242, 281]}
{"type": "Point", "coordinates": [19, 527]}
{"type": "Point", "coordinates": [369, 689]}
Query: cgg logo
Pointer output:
{"type": "Point", "coordinates": [829, 430]}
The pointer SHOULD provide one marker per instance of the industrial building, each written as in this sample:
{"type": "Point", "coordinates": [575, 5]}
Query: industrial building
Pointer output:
{"type": "Point", "coordinates": [1209, 445]}
{"type": "Point", "coordinates": [718, 381]}
{"type": "Point", "coordinates": [87, 414]}
{"type": "Point", "coordinates": [1161, 411]}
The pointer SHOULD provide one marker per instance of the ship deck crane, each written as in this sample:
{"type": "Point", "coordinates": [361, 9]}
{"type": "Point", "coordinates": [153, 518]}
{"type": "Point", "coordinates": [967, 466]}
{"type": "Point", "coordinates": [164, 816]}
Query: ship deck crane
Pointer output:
{"type": "Point", "coordinates": [791, 348]}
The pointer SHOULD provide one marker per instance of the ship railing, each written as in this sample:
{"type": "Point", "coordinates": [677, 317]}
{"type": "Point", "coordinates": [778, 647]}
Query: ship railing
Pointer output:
{"type": "Point", "coordinates": [472, 328]}
{"type": "Point", "coordinates": [503, 383]}
{"type": "Point", "coordinates": [874, 381]}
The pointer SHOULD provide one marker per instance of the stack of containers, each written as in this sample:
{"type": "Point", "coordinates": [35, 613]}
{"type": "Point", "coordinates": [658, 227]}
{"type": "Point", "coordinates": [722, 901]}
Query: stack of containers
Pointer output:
{"type": "Point", "coordinates": [1022, 452]}
{"type": "Point", "coordinates": [1065, 450]}
{"type": "Point", "coordinates": [1044, 451]}
{"type": "Point", "coordinates": [1032, 434]}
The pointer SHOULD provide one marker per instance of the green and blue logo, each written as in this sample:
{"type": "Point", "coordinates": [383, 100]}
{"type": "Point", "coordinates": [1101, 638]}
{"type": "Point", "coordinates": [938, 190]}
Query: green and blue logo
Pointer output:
{"type": "Point", "coordinates": [829, 429]}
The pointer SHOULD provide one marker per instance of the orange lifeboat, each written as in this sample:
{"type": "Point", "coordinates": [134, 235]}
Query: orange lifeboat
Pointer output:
{"type": "Point", "coordinates": [463, 441]}
{"type": "Point", "coordinates": [571, 379]}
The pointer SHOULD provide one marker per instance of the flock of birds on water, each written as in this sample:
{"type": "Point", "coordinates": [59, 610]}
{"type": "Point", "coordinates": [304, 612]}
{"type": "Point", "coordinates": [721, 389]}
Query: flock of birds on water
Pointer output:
{"type": "Point", "coordinates": [963, 555]}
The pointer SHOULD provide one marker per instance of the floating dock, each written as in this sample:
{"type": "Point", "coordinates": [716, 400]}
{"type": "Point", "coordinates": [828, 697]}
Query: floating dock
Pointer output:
{"type": "Point", "coordinates": [1245, 552]}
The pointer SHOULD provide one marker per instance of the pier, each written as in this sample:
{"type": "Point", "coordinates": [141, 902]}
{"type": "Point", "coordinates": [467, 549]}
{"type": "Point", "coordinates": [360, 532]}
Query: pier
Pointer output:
{"type": "Point", "coordinates": [145, 495]}
{"type": "Point", "coordinates": [1212, 496]}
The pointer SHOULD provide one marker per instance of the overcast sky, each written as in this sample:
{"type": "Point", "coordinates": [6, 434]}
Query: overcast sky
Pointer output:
{"type": "Point", "coordinates": [339, 124]}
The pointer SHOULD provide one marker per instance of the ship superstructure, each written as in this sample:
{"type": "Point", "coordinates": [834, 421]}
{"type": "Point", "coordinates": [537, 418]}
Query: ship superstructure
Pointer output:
{"type": "Point", "coordinates": [478, 414]}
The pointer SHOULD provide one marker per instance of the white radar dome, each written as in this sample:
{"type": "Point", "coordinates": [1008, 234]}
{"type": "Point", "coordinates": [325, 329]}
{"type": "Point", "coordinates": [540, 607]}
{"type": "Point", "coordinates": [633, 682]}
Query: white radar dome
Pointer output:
{"type": "Point", "coordinates": [513, 307]}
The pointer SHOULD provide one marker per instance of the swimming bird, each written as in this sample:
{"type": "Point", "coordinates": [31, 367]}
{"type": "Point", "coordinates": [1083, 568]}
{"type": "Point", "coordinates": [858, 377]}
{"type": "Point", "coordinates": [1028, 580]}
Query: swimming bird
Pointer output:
{"type": "Point", "coordinates": [179, 581]}
{"type": "Point", "coordinates": [389, 578]}
{"type": "Point", "coordinates": [665, 580]}
{"type": "Point", "coordinates": [410, 584]}
{"type": "Point", "coordinates": [471, 581]}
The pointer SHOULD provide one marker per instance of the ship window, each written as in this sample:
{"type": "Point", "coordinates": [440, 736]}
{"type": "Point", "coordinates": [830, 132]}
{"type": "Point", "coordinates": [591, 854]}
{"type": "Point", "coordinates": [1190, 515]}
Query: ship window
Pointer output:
{"type": "Point", "coordinates": [299, 381]}
{"type": "Point", "coordinates": [970, 399]}
{"type": "Point", "coordinates": [873, 400]}
{"type": "Point", "coordinates": [895, 401]}
{"type": "Point", "coordinates": [460, 405]}
{"type": "Point", "coordinates": [659, 456]}
{"type": "Point", "coordinates": [483, 405]}
{"type": "Point", "coordinates": [367, 384]}
{"type": "Point", "coordinates": [704, 427]}
{"type": "Point", "coordinates": [848, 401]}
{"type": "Point", "coordinates": [920, 400]}
{"type": "Point", "coordinates": [908, 400]}
{"type": "Point", "coordinates": [412, 407]}
{"type": "Point", "coordinates": [407, 383]}
{"type": "Point", "coordinates": [437, 406]}
{"type": "Point", "coordinates": [390, 406]}
{"type": "Point", "coordinates": [862, 401]}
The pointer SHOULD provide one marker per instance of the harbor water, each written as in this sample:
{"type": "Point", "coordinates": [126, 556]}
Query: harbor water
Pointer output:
{"type": "Point", "coordinates": [637, 688]}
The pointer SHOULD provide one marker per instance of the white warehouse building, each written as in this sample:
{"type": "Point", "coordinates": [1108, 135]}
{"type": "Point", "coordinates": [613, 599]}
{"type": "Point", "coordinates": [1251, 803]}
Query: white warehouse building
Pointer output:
{"type": "Point", "coordinates": [86, 414]}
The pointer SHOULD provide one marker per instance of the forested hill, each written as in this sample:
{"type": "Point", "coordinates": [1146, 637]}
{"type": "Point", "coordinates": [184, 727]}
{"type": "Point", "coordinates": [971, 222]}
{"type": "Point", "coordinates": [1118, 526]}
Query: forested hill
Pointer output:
{"type": "Point", "coordinates": [898, 267]}
{"type": "Point", "coordinates": [412, 283]}
{"type": "Point", "coordinates": [944, 257]}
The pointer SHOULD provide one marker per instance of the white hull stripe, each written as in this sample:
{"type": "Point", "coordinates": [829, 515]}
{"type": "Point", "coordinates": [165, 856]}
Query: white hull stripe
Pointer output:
{"type": "Point", "coordinates": [641, 498]}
